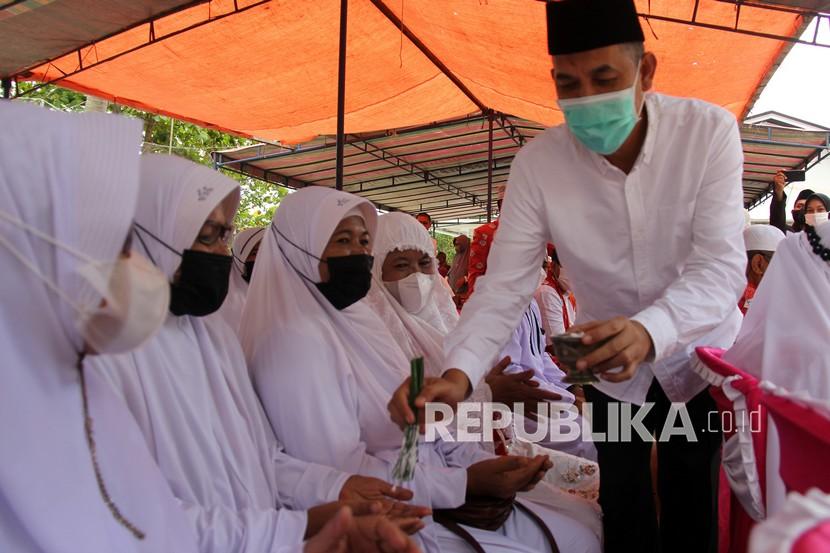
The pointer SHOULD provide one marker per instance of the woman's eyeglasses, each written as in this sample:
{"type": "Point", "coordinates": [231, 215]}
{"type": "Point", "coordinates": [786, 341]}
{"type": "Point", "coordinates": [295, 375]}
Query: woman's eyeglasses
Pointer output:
{"type": "Point", "coordinates": [213, 232]}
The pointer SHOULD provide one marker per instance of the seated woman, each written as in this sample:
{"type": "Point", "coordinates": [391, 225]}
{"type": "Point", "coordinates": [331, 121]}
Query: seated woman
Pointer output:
{"type": "Point", "coordinates": [419, 312]}
{"type": "Point", "coordinates": [324, 365]}
{"type": "Point", "coordinates": [189, 389]}
{"type": "Point", "coordinates": [76, 474]}
{"type": "Point", "coordinates": [784, 336]}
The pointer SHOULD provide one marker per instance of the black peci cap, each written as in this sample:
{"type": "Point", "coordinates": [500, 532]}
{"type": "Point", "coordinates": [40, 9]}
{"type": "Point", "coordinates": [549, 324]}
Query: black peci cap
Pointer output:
{"type": "Point", "coordinates": [580, 25]}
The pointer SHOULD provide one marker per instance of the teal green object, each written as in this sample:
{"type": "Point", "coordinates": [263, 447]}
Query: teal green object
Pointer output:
{"type": "Point", "coordinates": [601, 122]}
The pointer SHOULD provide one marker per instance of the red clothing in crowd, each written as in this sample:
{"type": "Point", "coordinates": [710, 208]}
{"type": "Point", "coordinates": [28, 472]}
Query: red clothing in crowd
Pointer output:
{"type": "Point", "coordinates": [746, 299]}
{"type": "Point", "coordinates": [479, 248]}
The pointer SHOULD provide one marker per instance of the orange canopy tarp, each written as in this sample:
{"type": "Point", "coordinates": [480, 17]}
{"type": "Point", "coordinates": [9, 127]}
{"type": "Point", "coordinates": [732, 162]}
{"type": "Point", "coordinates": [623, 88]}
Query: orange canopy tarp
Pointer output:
{"type": "Point", "coordinates": [271, 71]}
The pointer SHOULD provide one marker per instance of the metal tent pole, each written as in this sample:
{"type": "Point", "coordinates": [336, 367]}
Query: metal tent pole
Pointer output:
{"type": "Point", "coordinates": [490, 166]}
{"type": "Point", "coordinates": [341, 94]}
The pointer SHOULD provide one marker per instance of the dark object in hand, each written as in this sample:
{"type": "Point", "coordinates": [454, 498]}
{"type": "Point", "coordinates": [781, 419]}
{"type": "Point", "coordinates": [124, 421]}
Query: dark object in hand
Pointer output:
{"type": "Point", "coordinates": [569, 349]}
{"type": "Point", "coordinates": [795, 176]}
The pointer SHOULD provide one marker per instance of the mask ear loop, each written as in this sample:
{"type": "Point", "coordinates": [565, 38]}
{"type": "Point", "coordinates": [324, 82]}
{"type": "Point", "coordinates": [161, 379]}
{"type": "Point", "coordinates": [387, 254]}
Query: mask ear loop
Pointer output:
{"type": "Point", "coordinates": [275, 231]}
{"type": "Point", "coordinates": [90, 439]}
{"type": "Point", "coordinates": [137, 227]}
{"type": "Point", "coordinates": [48, 282]}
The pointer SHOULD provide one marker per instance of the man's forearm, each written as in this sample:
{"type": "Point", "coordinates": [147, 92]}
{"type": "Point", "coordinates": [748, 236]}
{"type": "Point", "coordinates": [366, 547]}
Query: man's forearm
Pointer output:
{"type": "Point", "coordinates": [778, 212]}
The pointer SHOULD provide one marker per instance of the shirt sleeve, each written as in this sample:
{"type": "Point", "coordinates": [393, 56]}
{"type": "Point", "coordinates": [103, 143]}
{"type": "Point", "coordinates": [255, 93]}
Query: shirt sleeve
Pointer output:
{"type": "Point", "coordinates": [503, 294]}
{"type": "Point", "coordinates": [707, 290]}
{"type": "Point", "coordinates": [778, 213]}
{"type": "Point", "coordinates": [337, 437]}
{"type": "Point", "coordinates": [303, 485]}
{"type": "Point", "coordinates": [221, 529]}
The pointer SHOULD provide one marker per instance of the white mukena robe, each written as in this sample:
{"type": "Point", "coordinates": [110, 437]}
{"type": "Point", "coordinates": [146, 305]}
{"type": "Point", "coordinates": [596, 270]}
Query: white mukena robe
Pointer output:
{"type": "Point", "coordinates": [73, 177]}
{"type": "Point", "coordinates": [325, 376]}
{"type": "Point", "coordinates": [190, 392]}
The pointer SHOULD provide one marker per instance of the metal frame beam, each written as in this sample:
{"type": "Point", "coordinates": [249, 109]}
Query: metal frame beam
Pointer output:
{"type": "Point", "coordinates": [509, 129]}
{"type": "Point", "coordinates": [693, 21]}
{"type": "Point", "coordinates": [414, 169]}
{"type": "Point", "coordinates": [160, 15]}
{"type": "Point", "coordinates": [375, 170]}
{"type": "Point", "coordinates": [341, 95]}
{"type": "Point", "coordinates": [472, 153]}
{"type": "Point", "coordinates": [390, 15]}
{"type": "Point", "coordinates": [417, 192]}
{"type": "Point", "coordinates": [405, 132]}
{"type": "Point", "coordinates": [817, 157]}
{"type": "Point", "coordinates": [151, 39]}
{"type": "Point", "coordinates": [391, 188]}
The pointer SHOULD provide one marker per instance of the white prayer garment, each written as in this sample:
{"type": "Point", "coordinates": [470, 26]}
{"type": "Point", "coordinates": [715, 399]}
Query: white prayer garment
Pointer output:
{"type": "Point", "coordinates": [328, 374]}
{"type": "Point", "coordinates": [662, 244]}
{"type": "Point", "coordinates": [526, 349]}
{"type": "Point", "coordinates": [243, 244]}
{"type": "Point", "coordinates": [190, 392]}
{"type": "Point", "coordinates": [74, 178]}
{"type": "Point", "coordinates": [785, 334]}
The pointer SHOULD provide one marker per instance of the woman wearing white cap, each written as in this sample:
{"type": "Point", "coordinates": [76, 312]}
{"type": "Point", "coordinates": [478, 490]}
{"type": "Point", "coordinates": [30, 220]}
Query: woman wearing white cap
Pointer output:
{"type": "Point", "coordinates": [761, 242]}
{"type": "Point", "coordinates": [76, 474]}
{"type": "Point", "coordinates": [324, 364]}
{"type": "Point", "coordinates": [189, 389]}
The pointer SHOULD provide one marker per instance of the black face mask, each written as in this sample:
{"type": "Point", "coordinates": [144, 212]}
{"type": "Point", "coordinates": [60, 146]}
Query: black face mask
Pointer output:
{"type": "Point", "coordinates": [798, 218]}
{"type": "Point", "coordinates": [350, 277]}
{"type": "Point", "coordinates": [249, 271]}
{"type": "Point", "coordinates": [202, 283]}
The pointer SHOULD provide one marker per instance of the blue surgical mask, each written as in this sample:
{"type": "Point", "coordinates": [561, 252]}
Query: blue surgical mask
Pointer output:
{"type": "Point", "coordinates": [604, 121]}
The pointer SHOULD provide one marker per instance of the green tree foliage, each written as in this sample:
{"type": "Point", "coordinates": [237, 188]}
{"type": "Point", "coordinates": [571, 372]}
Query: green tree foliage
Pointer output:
{"type": "Point", "coordinates": [165, 135]}
{"type": "Point", "coordinates": [445, 245]}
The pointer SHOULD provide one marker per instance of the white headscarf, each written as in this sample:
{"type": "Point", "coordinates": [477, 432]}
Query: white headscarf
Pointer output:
{"type": "Point", "coordinates": [176, 197]}
{"type": "Point", "coordinates": [421, 333]}
{"type": "Point", "coordinates": [73, 177]}
{"type": "Point", "coordinates": [285, 310]}
{"type": "Point", "coordinates": [785, 333]}
{"type": "Point", "coordinates": [243, 244]}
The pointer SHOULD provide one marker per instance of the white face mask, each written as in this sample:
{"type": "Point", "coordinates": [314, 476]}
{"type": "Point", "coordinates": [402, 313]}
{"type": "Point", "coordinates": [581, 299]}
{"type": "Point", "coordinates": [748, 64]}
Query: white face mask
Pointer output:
{"type": "Point", "coordinates": [136, 296]}
{"type": "Point", "coordinates": [816, 219]}
{"type": "Point", "coordinates": [411, 292]}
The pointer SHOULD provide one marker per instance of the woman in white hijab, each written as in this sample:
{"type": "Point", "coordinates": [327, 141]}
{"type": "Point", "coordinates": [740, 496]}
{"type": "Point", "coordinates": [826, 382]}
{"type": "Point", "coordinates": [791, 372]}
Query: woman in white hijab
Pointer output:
{"type": "Point", "coordinates": [418, 312]}
{"type": "Point", "coordinates": [189, 388]}
{"type": "Point", "coordinates": [76, 474]}
{"type": "Point", "coordinates": [784, 336]}
{"type": "Point", "coordinates": [324, 365]}
{"type": "Point", "coordinates": [244, 250]}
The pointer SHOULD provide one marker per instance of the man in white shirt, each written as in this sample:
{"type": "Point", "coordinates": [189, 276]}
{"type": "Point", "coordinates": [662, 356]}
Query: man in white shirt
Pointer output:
{"type": "Point", "coordinates": [641, 193]}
